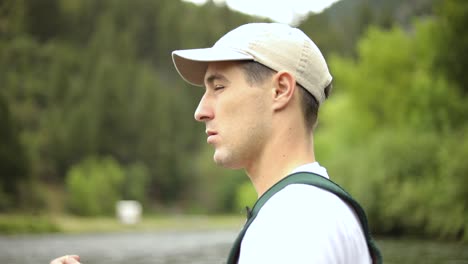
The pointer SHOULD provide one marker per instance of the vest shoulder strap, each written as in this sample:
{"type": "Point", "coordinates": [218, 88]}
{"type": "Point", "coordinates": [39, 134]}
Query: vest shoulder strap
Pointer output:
{"type": "Point", "coordinates": [320, 182]}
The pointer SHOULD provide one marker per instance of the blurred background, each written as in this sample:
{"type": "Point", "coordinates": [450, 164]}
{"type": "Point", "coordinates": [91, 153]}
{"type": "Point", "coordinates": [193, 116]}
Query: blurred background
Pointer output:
{"type": "Point", "coordinates": [92, 111]}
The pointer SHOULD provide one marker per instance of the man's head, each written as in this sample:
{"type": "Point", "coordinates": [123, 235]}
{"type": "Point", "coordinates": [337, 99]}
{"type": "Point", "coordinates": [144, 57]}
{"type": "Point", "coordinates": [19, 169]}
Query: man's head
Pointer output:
{"type": "Point", "coordinates": [278, 47]}
{"type": "Point", "coordinates": [251, 74]}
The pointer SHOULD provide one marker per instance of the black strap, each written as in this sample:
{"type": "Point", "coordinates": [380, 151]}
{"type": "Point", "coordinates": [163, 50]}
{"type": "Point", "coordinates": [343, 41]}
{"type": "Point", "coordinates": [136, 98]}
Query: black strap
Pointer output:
{"type": "Point", "coordinates": [320, 182]}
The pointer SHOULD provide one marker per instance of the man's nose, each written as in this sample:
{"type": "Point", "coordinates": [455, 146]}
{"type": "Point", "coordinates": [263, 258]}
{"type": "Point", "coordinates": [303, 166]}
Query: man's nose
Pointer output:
{"type": "Point", "coordinates": [204, 111]}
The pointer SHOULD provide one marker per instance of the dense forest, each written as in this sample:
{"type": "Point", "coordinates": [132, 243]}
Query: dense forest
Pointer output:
{"type": "Point", "coordinates": [92, 110]}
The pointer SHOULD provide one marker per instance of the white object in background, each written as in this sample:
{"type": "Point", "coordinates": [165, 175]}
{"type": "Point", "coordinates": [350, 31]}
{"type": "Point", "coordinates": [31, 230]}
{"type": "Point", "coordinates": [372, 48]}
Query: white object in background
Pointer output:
{"type": "Point", "coordinates": [128, 211]}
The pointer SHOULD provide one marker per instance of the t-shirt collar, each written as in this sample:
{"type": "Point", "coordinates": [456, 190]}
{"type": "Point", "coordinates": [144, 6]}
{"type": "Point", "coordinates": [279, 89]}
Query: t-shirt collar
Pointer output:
{"type": "Point", "coordinates": [313, 167]}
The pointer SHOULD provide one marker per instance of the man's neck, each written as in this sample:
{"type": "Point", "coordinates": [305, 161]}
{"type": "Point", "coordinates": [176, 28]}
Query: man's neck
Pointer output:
{"type": "Point", "coordinates": [285, 152]}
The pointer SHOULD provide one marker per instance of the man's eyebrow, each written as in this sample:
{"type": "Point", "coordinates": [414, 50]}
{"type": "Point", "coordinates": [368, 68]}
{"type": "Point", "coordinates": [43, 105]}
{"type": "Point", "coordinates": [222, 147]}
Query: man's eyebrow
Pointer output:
{"type": "Point", "coordinates": [213, 77]}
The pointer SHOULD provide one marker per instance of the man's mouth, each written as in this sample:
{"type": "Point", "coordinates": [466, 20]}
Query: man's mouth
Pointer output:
{"type": "Point", "coordinates": [211, 135]}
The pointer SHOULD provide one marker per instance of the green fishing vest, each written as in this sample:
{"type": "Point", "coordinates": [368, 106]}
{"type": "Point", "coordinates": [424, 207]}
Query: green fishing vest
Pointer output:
{"type": "Point", "coordinates": [320, 182]}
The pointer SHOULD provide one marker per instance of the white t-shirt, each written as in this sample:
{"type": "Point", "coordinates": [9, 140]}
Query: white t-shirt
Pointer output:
{"type": "Point", "coordinates": [305, 224]}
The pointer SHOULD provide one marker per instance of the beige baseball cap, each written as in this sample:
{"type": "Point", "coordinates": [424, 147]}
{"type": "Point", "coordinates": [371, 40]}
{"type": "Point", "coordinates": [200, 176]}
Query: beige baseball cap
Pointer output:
{"type": "Point", "coordinates": [277, 46]}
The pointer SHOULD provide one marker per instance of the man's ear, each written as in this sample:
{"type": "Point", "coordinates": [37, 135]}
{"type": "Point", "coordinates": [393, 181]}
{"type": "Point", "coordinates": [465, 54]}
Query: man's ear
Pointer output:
{"type": "Point", "coordinates": [284, 85]}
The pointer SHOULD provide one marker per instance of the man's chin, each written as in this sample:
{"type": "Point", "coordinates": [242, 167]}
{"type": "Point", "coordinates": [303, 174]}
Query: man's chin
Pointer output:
{"type": "Point", "coordinates": [225, 161]}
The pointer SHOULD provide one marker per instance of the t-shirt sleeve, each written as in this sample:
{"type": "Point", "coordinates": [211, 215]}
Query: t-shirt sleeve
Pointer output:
{"type": "Point", "coordinates": [304, 224]}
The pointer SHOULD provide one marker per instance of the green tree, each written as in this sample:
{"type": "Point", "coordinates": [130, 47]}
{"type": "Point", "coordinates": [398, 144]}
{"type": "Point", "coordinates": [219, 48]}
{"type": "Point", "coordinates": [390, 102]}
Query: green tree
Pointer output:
{"type": "Point", "coordinates": [94, 186]}
{"type": "Point", "coordinates": [452, 41]}
{"type": "Point", "coordinates": [92, 79]}
{"type": "Point", "coordinates": [135, 185]}
{"type": "Point", "coordinates": [387, 134]}
{"type": "Point", "coordinates": [13, 161]}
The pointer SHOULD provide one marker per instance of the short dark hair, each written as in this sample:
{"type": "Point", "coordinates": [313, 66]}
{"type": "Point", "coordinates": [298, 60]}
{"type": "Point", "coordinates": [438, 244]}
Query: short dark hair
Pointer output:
{"type": "Point", "coordinates": [257, 73]}
{"type": "Point", "coordinates": [310, 105]}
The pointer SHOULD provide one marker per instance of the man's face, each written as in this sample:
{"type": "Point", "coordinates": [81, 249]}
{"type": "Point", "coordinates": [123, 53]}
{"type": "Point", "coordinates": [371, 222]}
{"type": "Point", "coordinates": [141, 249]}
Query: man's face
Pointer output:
{"type": "Point", "coordinates": [237, 115]}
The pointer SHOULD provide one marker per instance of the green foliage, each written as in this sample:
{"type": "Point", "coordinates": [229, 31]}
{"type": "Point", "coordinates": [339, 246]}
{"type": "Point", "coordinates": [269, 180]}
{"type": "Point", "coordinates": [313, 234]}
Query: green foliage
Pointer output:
{"type": "Point", "coordinates": [135, 186]}
{"type": "Point", "coordinates": [409, 182]}
{"type": "Point", "coordinates": [338, 29]}
{"type": "Point", "coordinates": [96, 82]}
{"type": "Point", "coordinates": [392, 135]}
{"type": "Point", "coordinates": [19, 224]}
{"type": "Point", "coordinates": [452, 58]}
{"type": "Point", "coordinates": [452, 182]}
{"type": "Point", "coordinates": [94, 186]}
{"type": "Point", "coordinates": [13, 161]}
{"type": "Point", "coordinates": [216, 188]}
{"type": "Point", "coordinates": [399, 87]}
{"type": "Point", "coordinates": [245, 196]}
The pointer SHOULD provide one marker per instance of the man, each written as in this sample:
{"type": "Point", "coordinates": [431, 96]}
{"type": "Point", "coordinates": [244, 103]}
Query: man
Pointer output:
{"type": "Point", "coordinates": [264, 83]}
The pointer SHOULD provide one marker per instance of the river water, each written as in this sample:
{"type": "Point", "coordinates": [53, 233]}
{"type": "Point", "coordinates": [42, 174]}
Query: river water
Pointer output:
{"type": "Point", "coordinates": [177, 247]}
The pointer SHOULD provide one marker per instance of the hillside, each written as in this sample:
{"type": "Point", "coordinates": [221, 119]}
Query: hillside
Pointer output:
{"type": "Point", "coordinates": [338, 27]}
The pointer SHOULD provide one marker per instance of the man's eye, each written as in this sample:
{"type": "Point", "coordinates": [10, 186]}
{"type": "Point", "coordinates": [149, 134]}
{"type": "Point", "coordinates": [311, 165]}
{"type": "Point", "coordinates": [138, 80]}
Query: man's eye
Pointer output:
{"type": "Point", "coordinates": [218, 87]}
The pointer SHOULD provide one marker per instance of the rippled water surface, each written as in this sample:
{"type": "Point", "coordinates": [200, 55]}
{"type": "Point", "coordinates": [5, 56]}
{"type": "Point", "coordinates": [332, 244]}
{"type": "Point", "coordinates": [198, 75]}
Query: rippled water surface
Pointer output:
{"type": "Point", "coordinates": [137, 248]}
{"type": "Point", "coordinates": [170, 247]}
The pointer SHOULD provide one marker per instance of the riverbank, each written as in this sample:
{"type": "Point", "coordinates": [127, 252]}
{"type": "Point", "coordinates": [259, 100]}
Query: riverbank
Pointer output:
{"type": "Point", "coordinates": [34, 224]}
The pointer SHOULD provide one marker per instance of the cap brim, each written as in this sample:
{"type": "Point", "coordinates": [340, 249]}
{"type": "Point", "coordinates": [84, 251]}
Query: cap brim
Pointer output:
{"type": "Point", "coordinates": [192, 64]}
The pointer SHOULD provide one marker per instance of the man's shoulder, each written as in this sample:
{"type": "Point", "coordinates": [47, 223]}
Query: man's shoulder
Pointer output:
{"type": "Point", "coordinates": [304, 196]}
{"type": "Point", "coordinates": [307, 212]}
{"type": "Point", "coordinates": [307, 222]}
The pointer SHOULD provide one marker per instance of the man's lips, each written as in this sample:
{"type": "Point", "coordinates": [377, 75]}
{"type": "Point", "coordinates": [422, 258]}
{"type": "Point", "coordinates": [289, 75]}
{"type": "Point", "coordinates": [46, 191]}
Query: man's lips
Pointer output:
{"type": "Point", "coordinates": [211, 135]}
{"type": "Point", "coordinates": [210, 132]}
